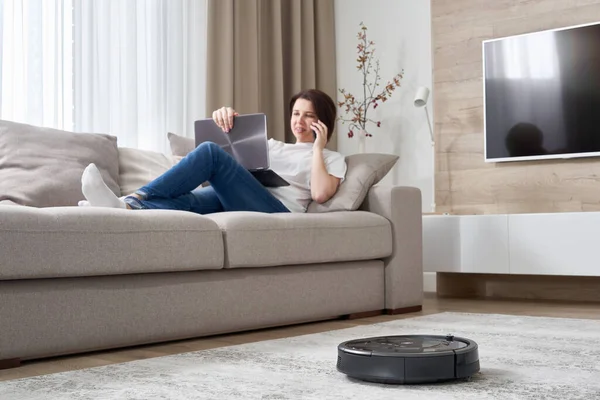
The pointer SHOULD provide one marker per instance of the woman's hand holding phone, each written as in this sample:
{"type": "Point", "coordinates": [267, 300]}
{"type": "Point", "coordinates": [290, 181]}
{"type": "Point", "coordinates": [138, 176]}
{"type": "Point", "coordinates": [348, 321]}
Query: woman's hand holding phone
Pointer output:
{"type": "Point", "coordinates": [320, 134]}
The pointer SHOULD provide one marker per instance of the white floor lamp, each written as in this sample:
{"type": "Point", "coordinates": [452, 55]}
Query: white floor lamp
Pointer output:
{"type": "Point", "coordinates": [421, 98]}
{"type": "Point", "coordinates": [421, 101]}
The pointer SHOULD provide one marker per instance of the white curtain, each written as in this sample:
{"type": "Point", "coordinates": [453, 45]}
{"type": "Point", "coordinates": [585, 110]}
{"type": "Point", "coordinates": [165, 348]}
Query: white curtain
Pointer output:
{"type": "Point", "coordinates": [140, 68]}
{"type": "Point", "coordinates": [36, 62]}
{"type": "Point", "coordinates": [132, 68]}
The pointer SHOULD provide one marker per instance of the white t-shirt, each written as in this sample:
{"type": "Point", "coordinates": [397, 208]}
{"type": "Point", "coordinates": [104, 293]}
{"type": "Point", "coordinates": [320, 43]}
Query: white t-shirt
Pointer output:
{"type": "Point", "coordinates": [293, 163]}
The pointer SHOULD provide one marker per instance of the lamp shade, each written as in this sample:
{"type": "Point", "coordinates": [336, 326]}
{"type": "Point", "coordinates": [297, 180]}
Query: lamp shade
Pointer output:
{"type": "Point", "coordinates": [421, 96]}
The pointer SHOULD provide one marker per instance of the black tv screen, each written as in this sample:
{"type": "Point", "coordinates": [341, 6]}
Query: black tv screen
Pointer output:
{"type": "Point", "coordinates": [542, 95]}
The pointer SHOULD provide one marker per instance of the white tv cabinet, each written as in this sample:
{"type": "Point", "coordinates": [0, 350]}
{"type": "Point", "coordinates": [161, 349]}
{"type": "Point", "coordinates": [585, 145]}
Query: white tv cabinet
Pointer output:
{"type": "Point", "coordinates": [527, 244]}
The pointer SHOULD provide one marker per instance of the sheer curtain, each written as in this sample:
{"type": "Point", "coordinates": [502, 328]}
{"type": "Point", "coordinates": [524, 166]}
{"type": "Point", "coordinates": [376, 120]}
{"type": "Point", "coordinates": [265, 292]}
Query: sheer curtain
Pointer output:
{"type": "Point", "coordinates": [135, 69]}
{"type": "Point", "coordinates": [140, 69]}
{"type": "Point", "coordinates": [36, 62]}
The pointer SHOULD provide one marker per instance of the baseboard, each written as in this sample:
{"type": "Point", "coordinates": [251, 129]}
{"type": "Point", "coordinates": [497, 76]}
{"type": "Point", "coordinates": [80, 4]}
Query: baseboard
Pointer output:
{"type": "Point", "coordinates": [429, 282]}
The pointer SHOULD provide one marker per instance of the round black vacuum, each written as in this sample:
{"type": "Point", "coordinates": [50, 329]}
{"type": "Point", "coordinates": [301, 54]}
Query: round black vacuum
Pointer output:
{"type": "Point", "coordinates": [408, 359]}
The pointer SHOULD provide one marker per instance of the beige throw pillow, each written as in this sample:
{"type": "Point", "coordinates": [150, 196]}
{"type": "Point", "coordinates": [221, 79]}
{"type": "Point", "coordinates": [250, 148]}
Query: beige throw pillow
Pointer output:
{"type": "Point", "coordinates": [42, 167]}
{"type": "Point", "coordinates": [364, 171]}
{"type": "Point", "coordinates": [180, 146]}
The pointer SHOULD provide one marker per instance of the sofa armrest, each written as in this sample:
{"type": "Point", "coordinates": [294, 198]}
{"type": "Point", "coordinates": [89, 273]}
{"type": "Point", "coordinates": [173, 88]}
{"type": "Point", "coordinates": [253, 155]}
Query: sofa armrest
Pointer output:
{"type": "Point", "coordinates": [404, 267]}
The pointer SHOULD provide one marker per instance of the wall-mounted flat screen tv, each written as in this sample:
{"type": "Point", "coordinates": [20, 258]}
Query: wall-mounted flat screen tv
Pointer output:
{"type": "Point", "coordinates": [542, 95]}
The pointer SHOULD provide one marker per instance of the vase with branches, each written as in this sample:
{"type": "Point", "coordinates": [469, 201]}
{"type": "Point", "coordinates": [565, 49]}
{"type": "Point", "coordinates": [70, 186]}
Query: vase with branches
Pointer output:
{"type": "Point", "coordinates": [354, 110]}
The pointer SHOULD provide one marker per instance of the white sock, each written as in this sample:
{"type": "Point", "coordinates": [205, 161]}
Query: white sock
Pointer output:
{"type": "Point", "coordinates": [95, 190]}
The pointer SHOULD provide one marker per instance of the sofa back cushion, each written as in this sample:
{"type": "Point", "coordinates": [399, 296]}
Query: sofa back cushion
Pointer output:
{"type": "Point", "coordinates": [364, 171]}
{"type": "Point", "coordinates": [138, 167]}
{"type": "Point", "coordinates": [42, 167]}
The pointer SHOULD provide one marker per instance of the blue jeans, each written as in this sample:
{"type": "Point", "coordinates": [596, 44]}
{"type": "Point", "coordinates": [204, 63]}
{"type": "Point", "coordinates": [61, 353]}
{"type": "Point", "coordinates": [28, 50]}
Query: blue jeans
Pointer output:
{"type": "Point", "coordinates": [232, 187]}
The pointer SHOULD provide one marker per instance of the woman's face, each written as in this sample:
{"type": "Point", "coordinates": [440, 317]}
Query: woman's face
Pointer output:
{"type": "Point", "coordinates": [303, 115]}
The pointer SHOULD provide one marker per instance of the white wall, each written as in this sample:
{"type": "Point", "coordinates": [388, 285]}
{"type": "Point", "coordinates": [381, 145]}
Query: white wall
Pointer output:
{"type": "Point", "coordinates": [401, 30]}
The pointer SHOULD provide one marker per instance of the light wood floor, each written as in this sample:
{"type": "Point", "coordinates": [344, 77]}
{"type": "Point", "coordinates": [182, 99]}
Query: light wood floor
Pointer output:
{"type": "Point", "coordinates": [431, 305]}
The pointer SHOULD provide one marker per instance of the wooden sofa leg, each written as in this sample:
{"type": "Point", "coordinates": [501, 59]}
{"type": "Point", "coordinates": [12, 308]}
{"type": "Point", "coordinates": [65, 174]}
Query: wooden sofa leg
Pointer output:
{"type": "Point", "coordinates": [10, 363]}
{"type": "Point", "coordinates": [404, 310]}
{"type": "Point", "coordinates": [365, 314]}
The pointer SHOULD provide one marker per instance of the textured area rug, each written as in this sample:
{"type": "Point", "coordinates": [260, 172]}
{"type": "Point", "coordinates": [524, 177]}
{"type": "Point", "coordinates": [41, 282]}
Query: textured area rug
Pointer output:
{"type": "Point", "coordinates": [521, 358]}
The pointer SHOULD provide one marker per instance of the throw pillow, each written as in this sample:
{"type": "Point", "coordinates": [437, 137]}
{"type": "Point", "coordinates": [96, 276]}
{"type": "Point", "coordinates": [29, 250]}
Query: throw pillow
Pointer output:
{"type": "Point", "coordinates": [138, 167]}
{"type": "Point", "coordinates": [364, 171]}
{"type": "Point", "coordinates": [180, 146]}
{"type": "Point", "coordinates": [42, 167]}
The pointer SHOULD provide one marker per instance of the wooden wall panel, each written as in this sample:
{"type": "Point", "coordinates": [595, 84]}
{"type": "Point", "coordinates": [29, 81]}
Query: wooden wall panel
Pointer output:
{"type": "Point", "coordinates": [465, 184]}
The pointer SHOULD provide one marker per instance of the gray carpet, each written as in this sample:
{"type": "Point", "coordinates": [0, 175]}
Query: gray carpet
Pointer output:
{"type": "Point", "coordinates": [521, 358]}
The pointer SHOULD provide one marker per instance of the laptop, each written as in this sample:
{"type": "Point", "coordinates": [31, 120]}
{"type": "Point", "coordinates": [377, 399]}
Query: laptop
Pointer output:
{"type": "Point", "coordinates": [246, 142]}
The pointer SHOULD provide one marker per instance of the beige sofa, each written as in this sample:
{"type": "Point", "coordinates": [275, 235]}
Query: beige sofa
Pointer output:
{"type": "Point", "coordinates": [77, 279]}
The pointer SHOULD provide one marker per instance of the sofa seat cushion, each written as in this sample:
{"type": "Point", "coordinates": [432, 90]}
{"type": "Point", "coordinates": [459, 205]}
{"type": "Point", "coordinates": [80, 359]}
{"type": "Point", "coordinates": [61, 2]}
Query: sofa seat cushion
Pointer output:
{"type": "Point", "coordinates": [85, 241]}
{"type": "Point", "coordinates": [260, 240]}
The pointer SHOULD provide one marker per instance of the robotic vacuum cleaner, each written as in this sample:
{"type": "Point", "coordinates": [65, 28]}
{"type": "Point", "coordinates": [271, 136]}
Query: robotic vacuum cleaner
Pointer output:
{"type": "Point", "coordinates": [408, 359]}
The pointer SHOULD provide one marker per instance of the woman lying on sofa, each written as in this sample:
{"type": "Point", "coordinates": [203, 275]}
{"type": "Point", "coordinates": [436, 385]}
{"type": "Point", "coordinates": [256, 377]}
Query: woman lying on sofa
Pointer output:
{"type": "Point", "coordinates": [314, 172]}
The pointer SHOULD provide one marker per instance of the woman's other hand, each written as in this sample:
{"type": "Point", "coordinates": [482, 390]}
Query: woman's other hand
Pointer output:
{"type": "Point", "coordinates": [320, 130]}
{"type": "Point", "coordinates": [223, 117]}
